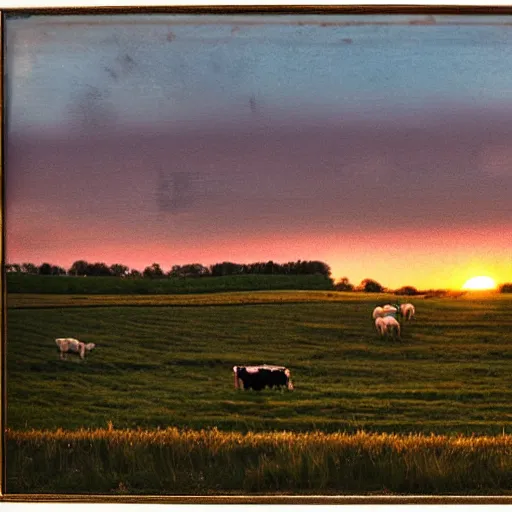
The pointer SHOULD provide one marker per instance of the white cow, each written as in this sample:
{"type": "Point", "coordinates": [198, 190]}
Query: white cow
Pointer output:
{"type": "Point", "coordinates": [387, 325]}
{"type": "Point", "coordinates": [71, 345]}
{"type": "Point", "coordinates": [407, 311]}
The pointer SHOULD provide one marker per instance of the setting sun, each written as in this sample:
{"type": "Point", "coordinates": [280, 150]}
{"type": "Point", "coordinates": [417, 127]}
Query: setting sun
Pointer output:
{"type": "Point", "coordinates": [479, 283]}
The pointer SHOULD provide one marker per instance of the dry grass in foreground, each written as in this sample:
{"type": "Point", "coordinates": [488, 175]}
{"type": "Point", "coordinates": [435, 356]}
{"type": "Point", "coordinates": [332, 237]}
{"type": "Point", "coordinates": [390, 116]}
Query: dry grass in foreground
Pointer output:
{"type": "Point", "coordinates": [173, 461]}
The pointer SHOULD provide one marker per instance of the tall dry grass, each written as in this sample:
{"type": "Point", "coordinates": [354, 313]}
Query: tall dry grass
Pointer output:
{"type": "Point", "coordinates": [173, 461]}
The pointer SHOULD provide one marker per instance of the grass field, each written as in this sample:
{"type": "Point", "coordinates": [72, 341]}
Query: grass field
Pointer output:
{"type": "Point", "coordinates": [210, 462]}
{"type": "Point", "coordinates": [167, 361]}
{"type": "Point", "coordinates": [172, 365]}
{"type": "Point", "coordinates": [28, 283]}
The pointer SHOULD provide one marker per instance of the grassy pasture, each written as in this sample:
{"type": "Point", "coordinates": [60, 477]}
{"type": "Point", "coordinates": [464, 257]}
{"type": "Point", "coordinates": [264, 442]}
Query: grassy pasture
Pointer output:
{"type": "Point", "coordinates": [162, 372]}
{"type": "Point", "coordinates": [170, 366]}
{"type": "Point", "coordinates": [31, 300]}
{"type": "Point", "coordinates": [27, 283]}
{"type": "Point", "coordinates": [210, 462]}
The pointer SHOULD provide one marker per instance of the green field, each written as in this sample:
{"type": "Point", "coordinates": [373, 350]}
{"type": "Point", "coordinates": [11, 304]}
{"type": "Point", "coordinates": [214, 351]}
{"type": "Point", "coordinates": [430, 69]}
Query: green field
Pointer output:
{"type": "Point", "coordinates": [160, 365]}
{"type": "Point", "coordinates": [28, 283]}
{"type": "Point", "coordinates": [166, 361]}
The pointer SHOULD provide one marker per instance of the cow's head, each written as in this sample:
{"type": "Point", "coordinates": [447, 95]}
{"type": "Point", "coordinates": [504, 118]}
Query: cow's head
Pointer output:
{"type": "Point", "coordinates": [241, 375]}
{"type": "Point", "coordinates": [89, 346]}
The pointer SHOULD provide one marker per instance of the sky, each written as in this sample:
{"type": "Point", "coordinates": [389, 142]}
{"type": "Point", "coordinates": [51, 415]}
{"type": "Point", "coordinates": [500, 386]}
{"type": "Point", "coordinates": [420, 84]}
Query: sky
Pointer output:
{"type": "Point", "coordinates": [378, 144]}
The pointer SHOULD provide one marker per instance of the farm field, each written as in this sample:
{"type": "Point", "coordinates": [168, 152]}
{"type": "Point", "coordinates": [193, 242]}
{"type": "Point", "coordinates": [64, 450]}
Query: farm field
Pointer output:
{"type": "Point", "coordinates": [101, 285]}
{"type": "Point", "coordinates": [208, 462]}
{"type": "Point", "coordinates": [172, 365]}
{"type": "Point", "coordinates": [166, 362]}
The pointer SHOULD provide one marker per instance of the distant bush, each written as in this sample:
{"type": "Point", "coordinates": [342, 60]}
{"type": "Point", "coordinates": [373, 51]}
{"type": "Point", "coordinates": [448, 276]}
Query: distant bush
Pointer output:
{"type": "Point", "coordinates": [153, 272]}
{"type": "Point", "coordinates": [407, 290]}
{"type": "Point", "coordinates": [343, 285]}
{"type": "Point", "coordinates": [370, 286]}
{"type": "Point", "coordinates": [506, 288]}
{"type": "Point", "coordinates": [190, 270]}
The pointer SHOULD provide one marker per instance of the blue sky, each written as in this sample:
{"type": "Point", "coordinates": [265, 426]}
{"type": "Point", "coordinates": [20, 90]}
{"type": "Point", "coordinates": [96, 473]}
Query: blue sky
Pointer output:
{"type": "Point", "coordinates": [154, 69]}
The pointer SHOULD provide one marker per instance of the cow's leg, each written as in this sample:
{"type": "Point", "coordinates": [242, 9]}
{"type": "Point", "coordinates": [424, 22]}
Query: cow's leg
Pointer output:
{"type": "Point", "coordinates": [289, 383]}
{"type": "Point", "coordinates": [235, 373]}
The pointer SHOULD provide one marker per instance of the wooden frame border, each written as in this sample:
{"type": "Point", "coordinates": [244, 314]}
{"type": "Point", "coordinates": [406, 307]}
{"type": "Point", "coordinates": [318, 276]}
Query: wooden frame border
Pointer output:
{"type": "Point", "coordinates": [362, 9]}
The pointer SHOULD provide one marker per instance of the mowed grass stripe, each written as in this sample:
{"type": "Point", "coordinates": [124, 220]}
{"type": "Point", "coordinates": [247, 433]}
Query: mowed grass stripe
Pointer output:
{"type": "Point", "coordinates": [172, 365]}
{"type": "Point", "coordinates": [29, 300]}
{"type": "Point", "coordinates": [484, 308]}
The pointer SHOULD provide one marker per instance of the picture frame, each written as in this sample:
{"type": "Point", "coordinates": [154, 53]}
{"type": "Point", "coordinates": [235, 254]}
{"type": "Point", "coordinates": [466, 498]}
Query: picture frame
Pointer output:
{"type": "Point", "coordinates": [93, 111]}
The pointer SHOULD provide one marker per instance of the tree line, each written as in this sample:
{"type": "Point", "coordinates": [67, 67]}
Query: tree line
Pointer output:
{"type": "Point", "coordinates": [154, 271]}
{"type": "Point", "coordinates": [372, 286]}
{"type": "Point", "coordinates": [226, 268]}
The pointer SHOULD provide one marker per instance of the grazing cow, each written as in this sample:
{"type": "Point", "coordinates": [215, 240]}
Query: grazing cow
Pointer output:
{"type": "Point", "coordinates": [388, 325]}
{"type": "Point", "coordinates": [257, 377]}
{"type": "Point", "coordinates": [407, 311]}
{"type": "Point", "coordinates": [70, 345]}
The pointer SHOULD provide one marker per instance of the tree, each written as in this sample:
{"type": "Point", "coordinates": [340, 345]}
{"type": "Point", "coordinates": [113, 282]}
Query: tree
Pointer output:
{"type": "Point", "coordinates": [98, 269]}
{"type": "Point", "coordinates": [45, 269]}
{"type": "Point", "coordinates": [79, 268]}
{"type": "Point", "coordinates": [306, 267]}
{"type": "Point", "coordinates": [371, 286]}
{"type": "Point", "coordinates": [506, 288]}
{"type": "Point", "coordinates": [83, 268]}
{"type": "Point", "coordinates": [29, 268]}
{"type": "Point", "coordinates": [318, 267]}
{"type": "Point", "coordinates": [343, 285]}
{"type": "Point", "coordinates": [254, 268]}
{"type": "Point", "coordinates": [57, 271]}
{"type": "Point", "coordinates": [226, 268]}
{"type": "Point", "coordinates": [406, 290]}
{"type": "Point", "coordinates": [153, 272]}
{"type": "Point", "coordinates": [134, 274]}
{"type": "Point", "coordinates": [175, 271]}
{"type": "Point", "coordinates": [189, 270]}
{"type": "Point", "coordinates": [271, 268]}
{"type": "Point", "coordinates": [12, 267]}
{"type": "Point", "coordinates": [118, 270]}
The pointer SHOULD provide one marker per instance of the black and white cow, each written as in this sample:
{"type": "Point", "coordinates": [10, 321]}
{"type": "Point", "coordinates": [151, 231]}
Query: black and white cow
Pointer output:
{"type": "Point", "coordinates": [258, 377]}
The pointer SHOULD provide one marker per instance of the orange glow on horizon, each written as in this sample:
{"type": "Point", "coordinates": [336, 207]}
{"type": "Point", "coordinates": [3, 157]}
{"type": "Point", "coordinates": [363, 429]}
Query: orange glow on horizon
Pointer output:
{"type": "Point", "coordinates": [420, 258]}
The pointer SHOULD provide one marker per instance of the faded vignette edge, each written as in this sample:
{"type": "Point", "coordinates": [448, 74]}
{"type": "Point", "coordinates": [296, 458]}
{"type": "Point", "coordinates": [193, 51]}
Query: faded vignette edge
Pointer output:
{"type": "Point", "coordinates": [217, 499]}
{"type": "Point", "coordinates": [3, 290]}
